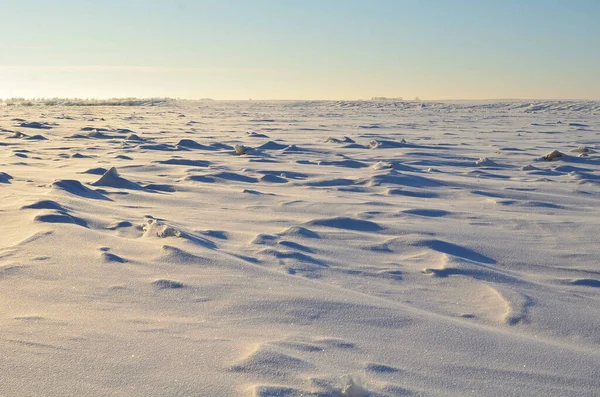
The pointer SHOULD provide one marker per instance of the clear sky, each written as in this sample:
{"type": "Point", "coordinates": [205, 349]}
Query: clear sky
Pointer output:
{"type": "Point", "coordinates": [300, 49]}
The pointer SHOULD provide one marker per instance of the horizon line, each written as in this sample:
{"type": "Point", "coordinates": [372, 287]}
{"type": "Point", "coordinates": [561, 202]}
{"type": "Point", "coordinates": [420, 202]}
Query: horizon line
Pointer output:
{"type": "Point", "coordinates": [372, 99]}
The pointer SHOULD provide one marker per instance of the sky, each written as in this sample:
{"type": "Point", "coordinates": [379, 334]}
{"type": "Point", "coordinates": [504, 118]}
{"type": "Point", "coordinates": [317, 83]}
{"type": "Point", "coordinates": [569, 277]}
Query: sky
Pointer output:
{"type": "Point", "coordinates": [300, 49]}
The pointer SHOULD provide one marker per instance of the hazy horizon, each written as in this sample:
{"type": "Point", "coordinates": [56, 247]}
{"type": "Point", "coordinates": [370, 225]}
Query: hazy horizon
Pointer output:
{"type": "Point", "coordinates": [309, 50]}
{"type": "Point", "coordinates": [108, 98]}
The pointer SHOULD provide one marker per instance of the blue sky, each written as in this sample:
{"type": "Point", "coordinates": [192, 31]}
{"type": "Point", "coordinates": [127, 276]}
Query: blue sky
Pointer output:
{"type": "Point", "coordinates": [292, 49]}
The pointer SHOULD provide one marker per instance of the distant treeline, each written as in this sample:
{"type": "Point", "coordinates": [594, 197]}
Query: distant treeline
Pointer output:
{"type": "Point", "coordinates": [384, 98]}
{"type": "Point", "coordinates": [85, 102]}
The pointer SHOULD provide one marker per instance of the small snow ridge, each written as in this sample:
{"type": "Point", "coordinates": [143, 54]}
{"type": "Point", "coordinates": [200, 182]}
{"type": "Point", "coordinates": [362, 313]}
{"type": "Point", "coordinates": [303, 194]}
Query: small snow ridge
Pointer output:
{"type": "Point", "coordinates": [382, 165]}
{"type": "Point", "coordinates": [5, 178]}
{"type": "Point", "coordinates": [485, 162]}
{"type": "Point", "coordinates": [119, 225]}
{"type": "Point", "coordinates": [112, 178]}
{"type": "Point", "coordinates": [240, 150]}
{"type": "Point", "coordinates": [529, 168]}
{"type": "Point", "coordinates": [154, 228]}
{"type": "Point", "coordinates": [270, 145]}
{"type": "Point", "coordinates": [37, 138]}
{"type": "Point", "coordinates": [555, 154]}
{"type": "Point", "coordinates": [133, 137]}
{"type": "Point", "coordinates": [580, 149]}
{"type": "Point", "coordinates": [299, 231]}
{"type": "Point", "coordinates": [76, 188]}
{"type": "Point", "coordinates": [18, 135]}
{"type": "Point", "coordinates": [383, 144]}
{"type": "Point", "coordinates": [45, 205]}
{"type": "Point", "coordinates": [253, 134]}
{"type": "Point", "coordinates": [60, 217]}
{"type": "Point", "coordinates": [190, 143]}
{"type": "Point", "coordinates": [167, 284]}
{"type": "Point", "coordinates": [186, 162]}
{"type": "Point", "coordinates": [266, 360]}
{"type": "Point", "coordinates": [36, 125]}
{"type": "Point", "coordinates": [585, 282]}
{"type": "Point", "coordinates": [344, 139]}
{"type": "Point", "coordinates": [347, 223]}
{"type": "Point", "coordinates": [107, 257]}
{"type": "Point", "coordinates": [95, 171]}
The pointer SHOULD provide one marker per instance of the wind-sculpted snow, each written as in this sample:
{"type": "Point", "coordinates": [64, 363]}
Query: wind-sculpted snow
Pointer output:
{"type": "Point", "coordinates": [511, 106]}
{"type": "Point", "coordinates": [295, 248]}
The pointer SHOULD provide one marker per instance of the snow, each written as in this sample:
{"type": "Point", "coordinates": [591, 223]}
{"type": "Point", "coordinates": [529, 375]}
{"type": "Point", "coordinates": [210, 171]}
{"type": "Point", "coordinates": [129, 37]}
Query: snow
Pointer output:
{"type": "Point", "coordinates": [369, 248]}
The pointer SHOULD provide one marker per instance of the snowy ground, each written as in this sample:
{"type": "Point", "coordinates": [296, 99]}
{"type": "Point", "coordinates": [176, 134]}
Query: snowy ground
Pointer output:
{"type": "Point", "coordinates": [356, 249]}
